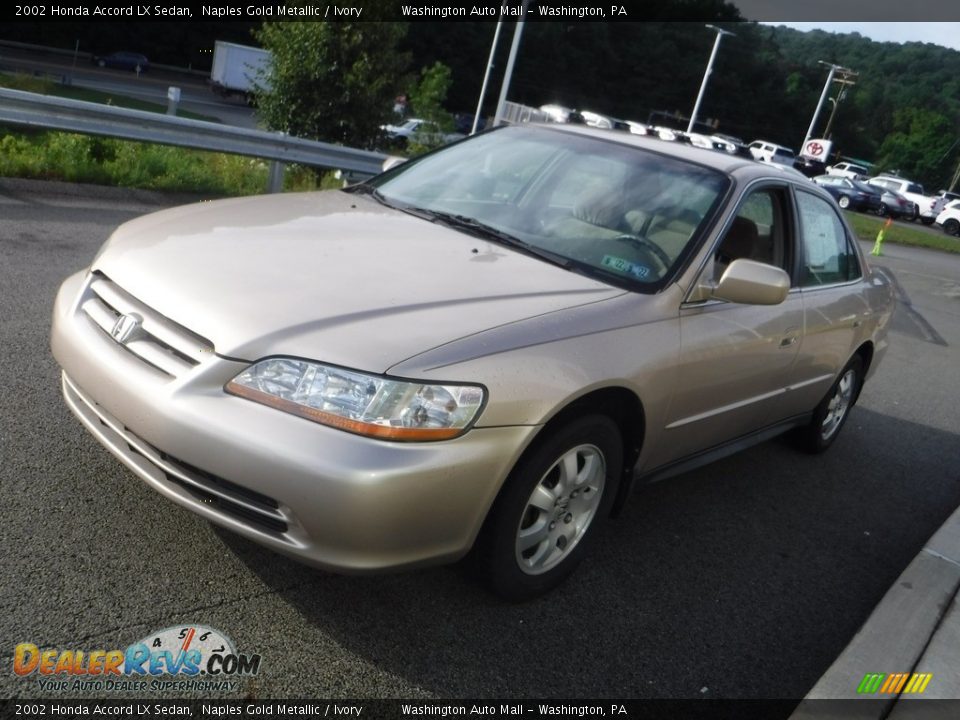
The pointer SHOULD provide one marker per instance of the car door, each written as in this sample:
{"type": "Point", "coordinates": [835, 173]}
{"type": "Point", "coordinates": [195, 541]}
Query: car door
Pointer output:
{"type": "Point", "coordinates": [833, 314]}
{"type": "Point", "coordinates": [735, 360]}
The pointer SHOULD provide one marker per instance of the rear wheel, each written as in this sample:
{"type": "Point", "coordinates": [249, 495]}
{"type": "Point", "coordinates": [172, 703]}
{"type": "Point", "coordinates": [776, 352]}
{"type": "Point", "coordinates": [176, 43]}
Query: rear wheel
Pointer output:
{"type": "Point", "coordinates": [547, 513]}
{"type": "Point", "coordinates": [844, 202]}
{"type": "Point", "coordinates": [832, 412]}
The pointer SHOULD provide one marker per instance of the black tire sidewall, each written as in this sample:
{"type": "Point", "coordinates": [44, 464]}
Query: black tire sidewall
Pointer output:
{"type": "Point", "coordinates": [495, 551]}
{"type": "Point", "coordinates": [811, 438]}
{"type": "Point", "coordinates": [951, 227]}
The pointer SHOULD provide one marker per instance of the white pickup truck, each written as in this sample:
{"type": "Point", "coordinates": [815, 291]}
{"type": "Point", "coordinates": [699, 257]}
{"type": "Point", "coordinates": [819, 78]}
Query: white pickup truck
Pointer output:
{"type": "Point", "coordinates": [847, 170]}
{"type": "Point", "coordinates": [922, 203]}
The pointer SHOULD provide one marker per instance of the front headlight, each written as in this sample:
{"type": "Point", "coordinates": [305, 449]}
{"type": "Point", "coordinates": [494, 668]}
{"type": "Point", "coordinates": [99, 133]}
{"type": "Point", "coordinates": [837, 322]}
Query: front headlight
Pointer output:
{"type": "Point", "coordinates": [358, 402]}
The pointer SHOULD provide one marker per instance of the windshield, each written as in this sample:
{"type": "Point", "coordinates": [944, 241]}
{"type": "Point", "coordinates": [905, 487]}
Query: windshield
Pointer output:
{"type": "Point", "coordinates": [622, 214]}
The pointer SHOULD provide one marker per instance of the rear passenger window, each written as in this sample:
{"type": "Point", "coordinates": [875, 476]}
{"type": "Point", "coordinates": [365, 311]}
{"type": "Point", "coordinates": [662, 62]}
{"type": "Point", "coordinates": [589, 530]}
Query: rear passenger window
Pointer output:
{"type": "Point", "coordinates": [828, 256]}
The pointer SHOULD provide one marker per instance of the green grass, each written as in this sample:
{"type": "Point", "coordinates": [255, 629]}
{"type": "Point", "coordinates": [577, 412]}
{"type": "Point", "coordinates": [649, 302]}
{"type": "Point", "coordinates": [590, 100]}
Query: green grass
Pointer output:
{"type": "Point", "coordinates": [106, 161]}
{"type": "Point", "coordinates": [867, 227]}
{"type": "Point", "coordinates": [50, 155]}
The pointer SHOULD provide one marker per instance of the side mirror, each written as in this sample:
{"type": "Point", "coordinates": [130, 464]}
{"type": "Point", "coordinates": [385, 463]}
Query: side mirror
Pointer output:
{"type": "Point", "coordinates": [749, 282]}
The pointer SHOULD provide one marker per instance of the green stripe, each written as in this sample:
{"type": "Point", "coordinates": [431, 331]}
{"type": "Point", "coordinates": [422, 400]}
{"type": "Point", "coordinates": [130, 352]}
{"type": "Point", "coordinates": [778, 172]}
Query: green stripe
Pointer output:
{"type": "Point", "coordinates": [871, 682]}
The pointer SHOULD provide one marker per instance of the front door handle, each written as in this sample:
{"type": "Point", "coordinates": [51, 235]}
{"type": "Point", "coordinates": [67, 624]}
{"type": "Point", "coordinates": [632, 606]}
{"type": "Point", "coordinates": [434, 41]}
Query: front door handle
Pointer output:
{"type": "Point", "coordinates": [788, 341]}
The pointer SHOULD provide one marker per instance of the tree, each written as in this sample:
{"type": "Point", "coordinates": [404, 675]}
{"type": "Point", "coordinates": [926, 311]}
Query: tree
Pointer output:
{"type": "Point", "coordinates": [334, 82]}
{"type": "Point", "coordinates": [919, 146]}
{"type": "Point", "coordinates": [428, 96]}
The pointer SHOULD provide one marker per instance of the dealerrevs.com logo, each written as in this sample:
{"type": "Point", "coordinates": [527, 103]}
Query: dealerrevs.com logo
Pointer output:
{"type": "Point", "coordinates": [192, 657]}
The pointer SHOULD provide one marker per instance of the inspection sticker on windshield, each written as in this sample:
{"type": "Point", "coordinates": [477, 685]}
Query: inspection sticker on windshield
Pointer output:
{"type": "Point", "coordinates": [625, 266]}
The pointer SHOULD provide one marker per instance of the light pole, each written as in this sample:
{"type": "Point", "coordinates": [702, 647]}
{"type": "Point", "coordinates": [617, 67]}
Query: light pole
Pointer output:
{"type": "Point", "coordinates": [823, 97]}
{"type": "Point", "coordinates": [486, 75]}
{"type": "Point", "coordinates": [508, 73]}
{"type": "Point", "coordinates": [706, 74]}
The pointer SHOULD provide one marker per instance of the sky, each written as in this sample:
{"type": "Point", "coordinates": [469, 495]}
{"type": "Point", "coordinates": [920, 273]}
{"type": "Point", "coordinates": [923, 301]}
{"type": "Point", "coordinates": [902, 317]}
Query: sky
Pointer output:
{"type": "Point", "coordinates": [940, 33]}
{"type": "Point", "coordinates": [856, 11]}
{"type": "Point", "coordinates": [883, 20]}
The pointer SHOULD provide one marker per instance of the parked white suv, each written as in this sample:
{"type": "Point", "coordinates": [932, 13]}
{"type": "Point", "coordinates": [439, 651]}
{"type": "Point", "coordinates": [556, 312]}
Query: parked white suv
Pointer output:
{"type": "Point", "coordinates": [923, 204]}
{"type": "Point", "coordinates": [771, 152]}
{"type": "Point", "coordinates": [848, 170]}
{"type": "Point", "coordinates": [942, 200]}
{"type": "Point", "coordinates": [949, 218]}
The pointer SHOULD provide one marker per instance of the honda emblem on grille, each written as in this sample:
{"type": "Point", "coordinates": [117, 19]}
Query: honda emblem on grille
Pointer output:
{"type": "Point", "coordinates": [125, 328]}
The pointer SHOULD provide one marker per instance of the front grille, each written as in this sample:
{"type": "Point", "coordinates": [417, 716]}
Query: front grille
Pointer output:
{"type": "Point", "coordinates": [156, 340]}
{"type": "Point", "coordinates": [194, 485]}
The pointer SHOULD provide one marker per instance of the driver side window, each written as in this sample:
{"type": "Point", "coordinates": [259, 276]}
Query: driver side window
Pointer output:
{"type": "Point", "coordinates": [758, 232]}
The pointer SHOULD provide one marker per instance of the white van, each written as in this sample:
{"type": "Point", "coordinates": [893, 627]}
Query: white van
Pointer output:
{"type": "Point", "coordinates": [771, 152]}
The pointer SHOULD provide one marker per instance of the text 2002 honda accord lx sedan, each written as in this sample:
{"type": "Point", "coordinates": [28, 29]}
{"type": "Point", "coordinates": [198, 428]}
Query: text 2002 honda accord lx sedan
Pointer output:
{"type": "Point", "coordinates": [474, 350]}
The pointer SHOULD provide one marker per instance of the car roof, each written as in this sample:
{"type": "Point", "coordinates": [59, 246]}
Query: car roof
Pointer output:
{"type": "Point", "coordinates": [743, 169]}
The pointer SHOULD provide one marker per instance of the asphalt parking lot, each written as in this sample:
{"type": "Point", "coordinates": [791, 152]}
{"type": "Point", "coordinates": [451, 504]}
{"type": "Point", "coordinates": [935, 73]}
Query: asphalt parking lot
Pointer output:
{"type": "Point", "coordinates": [743, 579]}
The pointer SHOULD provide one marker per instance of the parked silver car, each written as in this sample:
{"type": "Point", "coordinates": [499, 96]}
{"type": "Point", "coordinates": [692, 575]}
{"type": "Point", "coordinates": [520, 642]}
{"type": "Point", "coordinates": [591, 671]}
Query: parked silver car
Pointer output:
{"type": "Point", "coordinates": [423, 132]}
{"type": "Point", "coordinates": [482, 348]}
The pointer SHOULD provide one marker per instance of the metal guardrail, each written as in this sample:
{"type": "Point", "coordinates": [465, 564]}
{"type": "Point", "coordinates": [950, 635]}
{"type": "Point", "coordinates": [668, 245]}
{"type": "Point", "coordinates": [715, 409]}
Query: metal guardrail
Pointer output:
{"type": "Point", "coordinates": [517, 113]}
{"type": "Point", "coordinates": [42, 111]}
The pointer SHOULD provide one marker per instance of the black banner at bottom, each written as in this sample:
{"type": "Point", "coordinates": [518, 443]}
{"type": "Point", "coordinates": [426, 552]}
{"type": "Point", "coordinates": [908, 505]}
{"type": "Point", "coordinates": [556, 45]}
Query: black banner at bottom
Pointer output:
{"type": "Point", "coordinates": [913, 709]}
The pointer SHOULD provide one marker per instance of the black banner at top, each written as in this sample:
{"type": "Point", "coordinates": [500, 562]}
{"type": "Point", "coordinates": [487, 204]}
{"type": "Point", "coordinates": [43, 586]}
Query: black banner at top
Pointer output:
{"type": "Point", "coordinates": [478, 10]}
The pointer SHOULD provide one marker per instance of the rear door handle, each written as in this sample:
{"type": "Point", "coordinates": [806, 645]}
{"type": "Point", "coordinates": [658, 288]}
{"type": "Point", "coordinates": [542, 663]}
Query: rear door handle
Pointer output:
{"type": "Point", "coordinates": [788, 341]}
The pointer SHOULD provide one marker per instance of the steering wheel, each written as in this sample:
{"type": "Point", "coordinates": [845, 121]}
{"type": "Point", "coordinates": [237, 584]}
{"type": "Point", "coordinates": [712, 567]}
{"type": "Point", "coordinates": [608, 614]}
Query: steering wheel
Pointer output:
{"type": "Point", "coordinates": [649, 246]}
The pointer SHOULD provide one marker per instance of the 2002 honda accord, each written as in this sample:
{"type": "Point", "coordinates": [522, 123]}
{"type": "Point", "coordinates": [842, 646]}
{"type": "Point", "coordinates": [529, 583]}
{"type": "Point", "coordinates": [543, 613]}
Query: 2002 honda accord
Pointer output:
{"type": "Point", "coordinates": [478, 349]}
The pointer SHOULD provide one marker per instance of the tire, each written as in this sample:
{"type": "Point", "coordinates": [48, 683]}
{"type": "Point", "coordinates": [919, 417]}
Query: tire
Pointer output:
{"type": "Point", "coordinates": [951, 226]}
{"type": "Point", "coordinates": [832, 412]}
{"type": "Point", "coordinates": [844, 202]}
{"type": "Point", "coordinates": [548, 511]}
{"type": "Point", "coordinates": [883, 210]}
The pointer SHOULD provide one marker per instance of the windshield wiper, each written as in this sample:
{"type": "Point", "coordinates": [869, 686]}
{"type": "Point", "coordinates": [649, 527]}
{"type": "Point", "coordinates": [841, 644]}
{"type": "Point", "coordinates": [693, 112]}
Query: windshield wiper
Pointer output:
{"type": "Point", "coordinates": [364, 189]}
{"type": "Point", "coordinates": [488, 232]}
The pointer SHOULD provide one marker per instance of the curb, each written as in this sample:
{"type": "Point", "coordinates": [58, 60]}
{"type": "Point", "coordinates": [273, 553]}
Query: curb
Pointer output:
{"type": "Point", "coordinates": [14, 187]}
{"type": "Point", "coordinates": [915, 627]}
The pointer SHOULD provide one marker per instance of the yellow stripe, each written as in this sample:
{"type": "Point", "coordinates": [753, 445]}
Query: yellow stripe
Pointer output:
{"type": "Point", "coordinates": [912, 684]}
{"type": "Point", "coordinates": [927, 677]}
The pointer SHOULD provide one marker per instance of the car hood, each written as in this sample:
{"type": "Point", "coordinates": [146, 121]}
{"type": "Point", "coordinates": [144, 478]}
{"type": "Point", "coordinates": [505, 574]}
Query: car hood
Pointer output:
{"type": "Point", "coordinates": [329, 276]}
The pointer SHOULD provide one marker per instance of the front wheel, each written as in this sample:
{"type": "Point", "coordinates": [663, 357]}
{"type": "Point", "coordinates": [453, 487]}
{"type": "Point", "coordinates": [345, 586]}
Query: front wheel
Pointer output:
{"type": "Point", "coordinates": [548, 511]}
{"type": "Point", "coordinates": [844, 202]}
{"type": "Point", "coordinates": [951, 227]}
{"type": "Point", "coordinates": [832, 412]}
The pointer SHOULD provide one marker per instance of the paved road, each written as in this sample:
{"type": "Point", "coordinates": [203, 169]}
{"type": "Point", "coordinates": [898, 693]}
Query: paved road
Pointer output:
{"type": "Point", "coordinates": [196, 95]}
{"type": "Point", "coordinates": [744, 579]}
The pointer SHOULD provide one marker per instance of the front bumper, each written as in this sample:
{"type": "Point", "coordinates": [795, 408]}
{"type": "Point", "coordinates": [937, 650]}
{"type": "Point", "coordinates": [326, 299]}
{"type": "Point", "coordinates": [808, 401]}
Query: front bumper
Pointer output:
{"type": "Point", "coordinates": [329, 498]}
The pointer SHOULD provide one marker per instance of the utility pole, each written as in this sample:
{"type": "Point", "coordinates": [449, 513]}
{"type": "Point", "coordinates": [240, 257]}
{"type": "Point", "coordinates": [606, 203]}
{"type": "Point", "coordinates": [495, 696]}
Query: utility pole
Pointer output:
{"type": "Point", "coordinates": [823, 96]}
{"type": "Point", "coordinates": [836, 103]}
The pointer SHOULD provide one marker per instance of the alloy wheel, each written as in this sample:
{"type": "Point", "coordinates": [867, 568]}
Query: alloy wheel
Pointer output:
{"type": "Point", "coordinates": [560, 509]}
{"type": "Point", "coordinates": [839, 404]}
